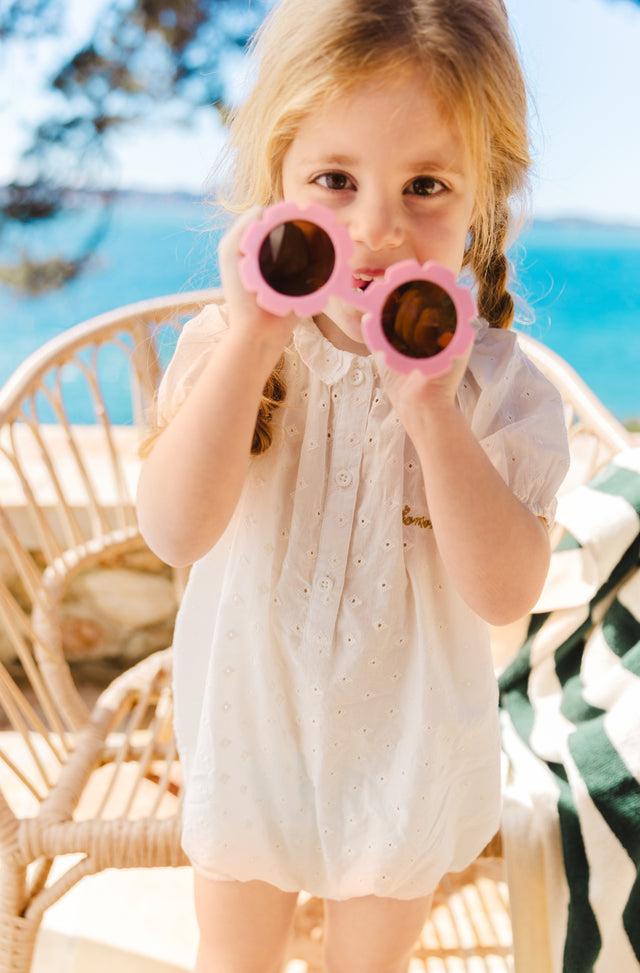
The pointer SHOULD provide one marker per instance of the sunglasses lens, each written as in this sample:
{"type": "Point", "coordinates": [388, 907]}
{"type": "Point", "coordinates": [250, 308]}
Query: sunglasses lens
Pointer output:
{"type": "Point", "coordinates": [419, 319]}
{"type": "Point", "coordinates": [296, 258]}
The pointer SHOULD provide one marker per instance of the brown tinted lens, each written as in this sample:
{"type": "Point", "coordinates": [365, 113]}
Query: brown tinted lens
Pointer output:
{"type": "Point", "coordinates": [296, 258]}
{"type": "Point", "coordinates": [419, 319]}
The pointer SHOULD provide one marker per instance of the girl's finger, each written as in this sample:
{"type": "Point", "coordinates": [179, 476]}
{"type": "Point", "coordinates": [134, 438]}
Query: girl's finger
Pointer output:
{"type": "Point", "coordinates": [229, 245]}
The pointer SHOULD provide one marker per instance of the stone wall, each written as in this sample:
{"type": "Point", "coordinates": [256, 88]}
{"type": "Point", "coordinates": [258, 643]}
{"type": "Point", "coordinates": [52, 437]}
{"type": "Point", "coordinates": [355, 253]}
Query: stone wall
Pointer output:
{"type": "Point", "coordinates": [124, 608]}
{"type": "Point", "coordinates": [112, 614]}
{"type": "Point", "coordinates": [121, 610]}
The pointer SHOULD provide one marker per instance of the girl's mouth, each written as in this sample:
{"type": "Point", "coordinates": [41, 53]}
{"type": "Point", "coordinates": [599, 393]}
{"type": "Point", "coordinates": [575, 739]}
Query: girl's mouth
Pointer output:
{"type": "Point", "coordinates": [362, 280]}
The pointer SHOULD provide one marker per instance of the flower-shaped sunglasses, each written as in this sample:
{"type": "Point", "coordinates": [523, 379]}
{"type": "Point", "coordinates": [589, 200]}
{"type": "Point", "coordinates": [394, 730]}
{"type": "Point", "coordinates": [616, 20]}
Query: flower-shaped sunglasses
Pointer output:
{"type": "Point", "coordinates": [295, 258]}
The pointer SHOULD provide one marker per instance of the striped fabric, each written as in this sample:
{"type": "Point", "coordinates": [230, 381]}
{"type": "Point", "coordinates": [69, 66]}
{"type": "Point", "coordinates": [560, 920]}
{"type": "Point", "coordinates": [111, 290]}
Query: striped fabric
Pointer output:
{"type": "Point", "coordinates": [571, 728]}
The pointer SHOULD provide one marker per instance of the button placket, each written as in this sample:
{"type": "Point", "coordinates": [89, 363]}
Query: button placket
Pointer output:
{"type": "Point", "coordinates": [304, 529]}
{"type": "Point", "coordinates": [340, 501]}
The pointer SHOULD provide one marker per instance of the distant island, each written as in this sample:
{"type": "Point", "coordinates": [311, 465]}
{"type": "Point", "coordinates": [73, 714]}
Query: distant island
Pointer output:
{"type": "Point", "coordinates": [80, 197]}
{"type": "Point", "coordinates": [151, 198]}
{"type": "Point", "coordinates": [582, 222]}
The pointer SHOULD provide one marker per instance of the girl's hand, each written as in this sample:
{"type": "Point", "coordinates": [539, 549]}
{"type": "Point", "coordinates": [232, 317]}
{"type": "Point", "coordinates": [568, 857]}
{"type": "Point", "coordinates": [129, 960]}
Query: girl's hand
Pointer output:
{"type": "Point", "coordinates": [414, 396]}
{"type": "Point", "coordinates": [245, 316]}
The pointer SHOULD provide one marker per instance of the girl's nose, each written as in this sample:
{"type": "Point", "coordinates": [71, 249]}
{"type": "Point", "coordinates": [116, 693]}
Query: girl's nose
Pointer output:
{"type": "Point", "coordinates": [376, 223]}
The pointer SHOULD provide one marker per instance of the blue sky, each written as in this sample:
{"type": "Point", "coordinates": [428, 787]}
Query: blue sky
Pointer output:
{"type": "Point", "coordinates": [583, 69]}
{"type": "Point", "coordinates": [582, 63]}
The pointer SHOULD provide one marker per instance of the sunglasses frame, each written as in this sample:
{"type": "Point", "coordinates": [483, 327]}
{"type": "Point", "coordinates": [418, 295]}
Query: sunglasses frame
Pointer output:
{"type": "Point", "coordinates": [339, 284]}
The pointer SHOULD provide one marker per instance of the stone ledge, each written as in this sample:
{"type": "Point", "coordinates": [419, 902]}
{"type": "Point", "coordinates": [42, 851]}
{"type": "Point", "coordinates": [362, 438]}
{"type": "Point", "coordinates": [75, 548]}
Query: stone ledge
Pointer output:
{"type": "Point", "coordinates": [123, 608]}
{"type": "Point", "coordinates": [93, 448]}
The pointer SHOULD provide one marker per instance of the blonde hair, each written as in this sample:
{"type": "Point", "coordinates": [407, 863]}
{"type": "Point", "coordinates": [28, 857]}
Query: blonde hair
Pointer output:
{"type": "Point", "coordinates": [308, 53]}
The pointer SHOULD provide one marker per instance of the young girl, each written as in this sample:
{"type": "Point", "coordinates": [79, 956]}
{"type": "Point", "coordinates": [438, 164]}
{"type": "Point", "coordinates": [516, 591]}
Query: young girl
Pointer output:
{"type": "Point", "coordinates": [336, 708]}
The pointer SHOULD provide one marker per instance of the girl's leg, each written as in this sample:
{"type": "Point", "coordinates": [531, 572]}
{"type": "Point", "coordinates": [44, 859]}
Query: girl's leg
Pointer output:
{"type": "Point", "coordinates": [373, 935]}
{"type": "Point", "coordinates": [244, 926]}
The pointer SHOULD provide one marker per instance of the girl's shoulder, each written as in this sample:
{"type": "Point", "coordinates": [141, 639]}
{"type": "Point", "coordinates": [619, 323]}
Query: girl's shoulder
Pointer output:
{"type": "Point", "coordinates": [502, 387]}
{"type": "Point", "coordinates": [498, 359]}
{"type": "Point", "coordinates": [189, 358]}
{"type": "Point", "coordinates": [210, 322]}
{"type": "Point", "coordinates": [492, 344]}
{"type": "Point", "coordinates": [518, 416]}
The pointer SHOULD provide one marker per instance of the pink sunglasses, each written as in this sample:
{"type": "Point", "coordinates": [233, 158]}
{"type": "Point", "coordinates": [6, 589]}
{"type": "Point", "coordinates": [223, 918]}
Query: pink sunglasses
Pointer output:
{"type": "Point", "coordinates": [295, 258]}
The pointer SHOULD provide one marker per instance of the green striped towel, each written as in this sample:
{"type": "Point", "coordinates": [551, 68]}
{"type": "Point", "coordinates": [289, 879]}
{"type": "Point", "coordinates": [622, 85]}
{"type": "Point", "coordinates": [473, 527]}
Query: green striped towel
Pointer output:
{"type": "Point", "coordinates": [570, 711]}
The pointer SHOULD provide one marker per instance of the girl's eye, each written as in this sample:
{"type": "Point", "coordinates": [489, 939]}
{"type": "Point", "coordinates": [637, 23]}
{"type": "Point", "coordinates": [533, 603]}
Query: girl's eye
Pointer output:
{"type": "Point", "coordinates": [335, 181]}
{"type": "Point", "coordinates": [425, 186]}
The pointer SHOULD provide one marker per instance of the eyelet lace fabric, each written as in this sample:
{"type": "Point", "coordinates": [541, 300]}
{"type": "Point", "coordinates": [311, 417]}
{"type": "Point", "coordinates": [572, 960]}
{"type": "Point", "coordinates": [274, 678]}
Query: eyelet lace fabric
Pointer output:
{"type": "Point", "coordinates": [336, 706]}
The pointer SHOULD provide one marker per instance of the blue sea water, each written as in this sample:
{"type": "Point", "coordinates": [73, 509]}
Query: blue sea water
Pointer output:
{"type": "Point", "coordinates": [580, 283]}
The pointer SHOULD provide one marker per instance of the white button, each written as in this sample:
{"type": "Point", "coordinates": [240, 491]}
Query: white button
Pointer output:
{"type": "Point", "coordinates": [344, 478]}
{"type": "Point", "coordinates": [325, 583]}
{"type": "Point", "coordinates": [357, 376]}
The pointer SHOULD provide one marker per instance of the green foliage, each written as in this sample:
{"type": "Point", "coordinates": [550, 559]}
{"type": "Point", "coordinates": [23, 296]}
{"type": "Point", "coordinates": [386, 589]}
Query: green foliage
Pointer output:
{"type": "Point", "coordinates": [143, 56]}
{"type": "Point", "coordinates": [29, 18]}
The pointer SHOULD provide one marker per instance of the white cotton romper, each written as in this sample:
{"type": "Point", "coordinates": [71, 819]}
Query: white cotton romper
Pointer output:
{"type": "Point", "coordinates": [336, 705]}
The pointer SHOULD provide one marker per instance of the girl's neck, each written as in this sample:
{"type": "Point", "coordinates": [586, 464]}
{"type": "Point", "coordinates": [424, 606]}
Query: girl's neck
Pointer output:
{"type": "Point", "coordinates": [337, 337]}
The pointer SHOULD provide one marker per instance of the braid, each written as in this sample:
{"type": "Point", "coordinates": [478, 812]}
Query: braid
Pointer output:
{"type": "Point", "coordinates": [273, 394]}
{"type": "Point", "coordinates": [491, 269]}
{"type": "Point", "coordinates": [495, 303]}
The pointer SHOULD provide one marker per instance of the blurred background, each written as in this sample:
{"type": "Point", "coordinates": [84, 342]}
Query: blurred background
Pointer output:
{"type": "Point", "coordinates": [112, 114]}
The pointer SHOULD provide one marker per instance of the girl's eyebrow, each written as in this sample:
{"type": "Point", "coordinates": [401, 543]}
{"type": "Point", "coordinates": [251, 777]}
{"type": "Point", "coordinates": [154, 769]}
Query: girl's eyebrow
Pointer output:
{"type": "Point", "coordinates": [330, 160]}
{"type": "Point", "coordinates": [422, 166]}
{"type": "Point", "coordinates": [435, 165]}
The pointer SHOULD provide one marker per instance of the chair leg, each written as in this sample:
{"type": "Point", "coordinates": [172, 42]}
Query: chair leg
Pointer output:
{"type": "Point", "coordinates": [17, 934]}
{"type": "Point", "coordinates": [526, 860]}
{"type": "Point", "coordinates": [17, 943]}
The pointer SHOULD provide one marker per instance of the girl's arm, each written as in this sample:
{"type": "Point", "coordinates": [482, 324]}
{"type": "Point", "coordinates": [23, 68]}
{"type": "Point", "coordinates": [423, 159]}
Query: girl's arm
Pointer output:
{"type": "Point", "coordinates": [495, 549]}
{"type": "Point", "coordinates": [191, 481]}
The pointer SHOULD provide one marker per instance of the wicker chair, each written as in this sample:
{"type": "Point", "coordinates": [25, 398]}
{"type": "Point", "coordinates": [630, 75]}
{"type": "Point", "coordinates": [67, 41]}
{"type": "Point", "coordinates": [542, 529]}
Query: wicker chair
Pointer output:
{"type": "Point", "coordinates": [84, 787]}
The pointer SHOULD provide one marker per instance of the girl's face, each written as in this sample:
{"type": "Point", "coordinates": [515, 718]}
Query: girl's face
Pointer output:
{"type": "Point", "coordinates": [395, 173]}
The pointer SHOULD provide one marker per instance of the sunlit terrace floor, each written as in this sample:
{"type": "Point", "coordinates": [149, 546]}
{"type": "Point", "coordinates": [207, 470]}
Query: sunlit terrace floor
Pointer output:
{"type": "Point", "coordinates": [142, 921]}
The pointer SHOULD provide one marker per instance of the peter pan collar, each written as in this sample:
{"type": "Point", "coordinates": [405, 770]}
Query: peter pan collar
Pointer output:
{"type": "Point", "coordinates": [321, 357]}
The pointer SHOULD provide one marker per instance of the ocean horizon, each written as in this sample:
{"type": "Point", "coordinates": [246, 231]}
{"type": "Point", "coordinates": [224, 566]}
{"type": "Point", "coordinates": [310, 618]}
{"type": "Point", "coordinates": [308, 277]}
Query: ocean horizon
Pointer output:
{"type": "Point", "coordinates": [577, 284]}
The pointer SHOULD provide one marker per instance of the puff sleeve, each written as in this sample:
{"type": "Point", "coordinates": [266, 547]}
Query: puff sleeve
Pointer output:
{"type": "Point", "coordinates": [517, 415]}
{"type": "Point", "coordinates": [189, 358]}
